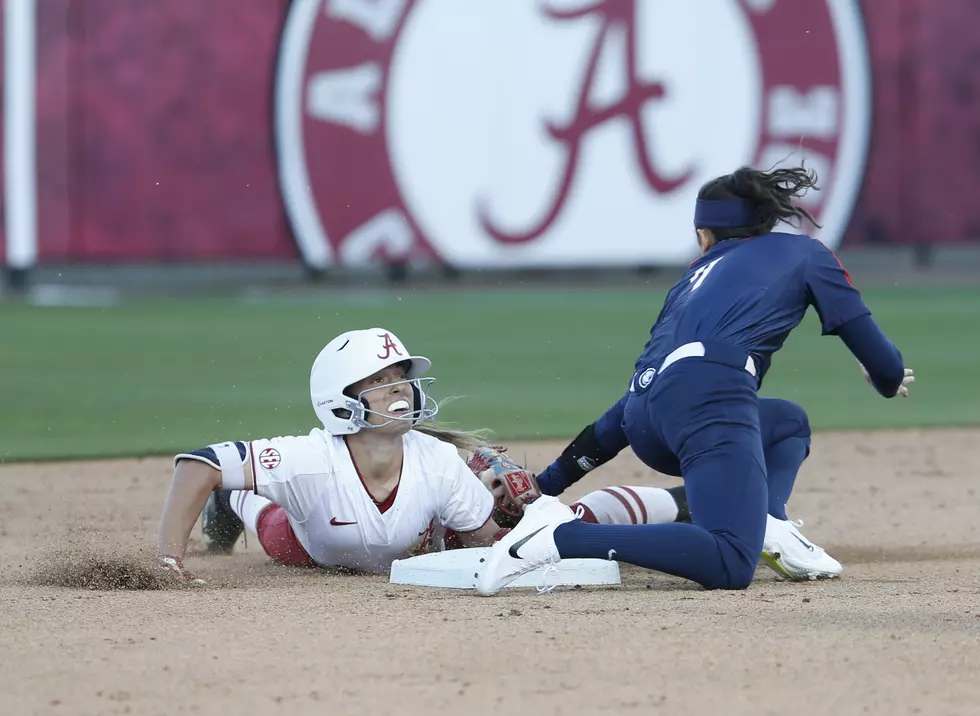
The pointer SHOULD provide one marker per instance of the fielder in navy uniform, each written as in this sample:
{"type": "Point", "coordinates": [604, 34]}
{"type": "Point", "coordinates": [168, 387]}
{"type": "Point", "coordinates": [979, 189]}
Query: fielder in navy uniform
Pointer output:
{"type": "Point", "coordinates": [692, 406]}
{"type": "Point", "coordinates": [785, 430]}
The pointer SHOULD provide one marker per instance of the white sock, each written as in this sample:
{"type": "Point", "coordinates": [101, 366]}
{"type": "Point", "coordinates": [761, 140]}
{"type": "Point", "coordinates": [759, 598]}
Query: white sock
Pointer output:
{"type": "Point", "coordinates": [637, 505]}
{"type": "Point", "coordinates": [247, 505]}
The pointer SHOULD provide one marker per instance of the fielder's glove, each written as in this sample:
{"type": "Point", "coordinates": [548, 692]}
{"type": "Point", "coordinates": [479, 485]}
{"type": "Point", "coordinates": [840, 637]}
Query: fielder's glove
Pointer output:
{"type": "Point", "coordinates": [512, 487]}
{"type": "Point", "coordinates": [175, 565]}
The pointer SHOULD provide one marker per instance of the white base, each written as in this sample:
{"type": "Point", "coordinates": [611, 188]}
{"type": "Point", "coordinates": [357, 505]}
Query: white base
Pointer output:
{"type": "Point", "coordinates": [457, 568]}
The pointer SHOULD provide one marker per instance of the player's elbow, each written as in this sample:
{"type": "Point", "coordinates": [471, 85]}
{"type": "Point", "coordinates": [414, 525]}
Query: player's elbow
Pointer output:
{"type": "Point", "coordinates": [483, 537]}
{"type": "Point", "coordinates": [197, 476]}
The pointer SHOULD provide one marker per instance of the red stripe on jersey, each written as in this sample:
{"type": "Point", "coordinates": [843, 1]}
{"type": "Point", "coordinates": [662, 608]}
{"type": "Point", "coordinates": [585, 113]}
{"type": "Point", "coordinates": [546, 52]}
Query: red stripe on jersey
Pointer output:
{"type": "Point", "coordinates": [847, 274]}
{"type": "Point", "coordinates": [255, 477]}
{"type": "Point", "coordinates": [840, 263]}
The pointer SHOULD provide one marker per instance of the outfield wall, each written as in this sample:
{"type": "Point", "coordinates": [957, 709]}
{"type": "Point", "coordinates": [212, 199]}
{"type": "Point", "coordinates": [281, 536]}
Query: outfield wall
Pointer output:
{"type": "Point", "coordinates": [347, 132]}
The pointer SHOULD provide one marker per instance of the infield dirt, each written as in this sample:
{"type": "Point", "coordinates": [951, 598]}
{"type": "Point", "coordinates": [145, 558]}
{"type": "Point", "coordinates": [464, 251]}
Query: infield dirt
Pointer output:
{"type": "Point", "coordinates": [898, 634]}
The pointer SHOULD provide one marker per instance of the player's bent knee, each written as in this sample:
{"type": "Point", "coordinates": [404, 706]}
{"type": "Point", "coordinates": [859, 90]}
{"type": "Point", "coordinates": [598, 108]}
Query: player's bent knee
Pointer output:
{"type": "Point", "coordinates": [278, 539]}
{"type": "Point", "coordinates": [739, 560]}
{"type": "Point", "coordinates": [800, 420]}
{"type": "Point", "coordinates": [740, 577]}
{"type": "Point", "coordinates": [735, 576]}
{"type": "Point", "coordinates": [786, 418]}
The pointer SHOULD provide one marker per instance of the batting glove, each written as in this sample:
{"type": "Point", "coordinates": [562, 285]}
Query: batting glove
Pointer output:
{"type": "Point", "coordinates": [512, 487]}
{"type": "Point", "coordinates": [175, 565]}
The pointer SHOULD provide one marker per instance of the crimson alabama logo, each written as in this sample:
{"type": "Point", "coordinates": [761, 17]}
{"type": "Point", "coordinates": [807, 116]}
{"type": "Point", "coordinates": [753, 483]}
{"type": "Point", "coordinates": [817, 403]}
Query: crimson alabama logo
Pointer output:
{"type": "Point", "coordinates": [389, 346]}
{"type": "Point", "coordinates": [555, 133]}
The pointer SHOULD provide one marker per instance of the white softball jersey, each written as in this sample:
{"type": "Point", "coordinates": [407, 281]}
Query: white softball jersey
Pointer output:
{"type": "Point", "coordinates": [338, 522]}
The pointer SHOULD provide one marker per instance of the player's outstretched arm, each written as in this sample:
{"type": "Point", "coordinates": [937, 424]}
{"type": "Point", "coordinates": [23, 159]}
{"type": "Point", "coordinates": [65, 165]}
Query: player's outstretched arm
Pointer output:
{"type": "Point", "coordinates": [596, 445]}
{"type": "Point", "coordinates": [880, 361]}
{"type": "Point", "coordinates": [192, 482]}
{"type": "Point", "coordinates": [483, 537]}
{"type": "Point", "coordinates": [843, 313]}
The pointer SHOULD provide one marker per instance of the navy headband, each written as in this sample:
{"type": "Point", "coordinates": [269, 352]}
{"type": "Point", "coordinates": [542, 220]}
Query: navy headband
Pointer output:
{"type": "Point", "coordinates": [724, 214]}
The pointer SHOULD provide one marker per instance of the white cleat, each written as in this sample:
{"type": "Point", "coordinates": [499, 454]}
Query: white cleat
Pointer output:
{"type": "Point", "coordinates": [526, 547]}
{"type": "Point", "coordinates": [791, 555]}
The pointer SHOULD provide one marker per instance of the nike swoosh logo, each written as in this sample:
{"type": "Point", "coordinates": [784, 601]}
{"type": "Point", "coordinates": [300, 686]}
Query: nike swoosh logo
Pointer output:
{"type": "Point", "coordinates": [335, 523]}
{"type": "Point", "coordinates": [808, 546]}
{"type": "Point", "coordinates": [520, 543]}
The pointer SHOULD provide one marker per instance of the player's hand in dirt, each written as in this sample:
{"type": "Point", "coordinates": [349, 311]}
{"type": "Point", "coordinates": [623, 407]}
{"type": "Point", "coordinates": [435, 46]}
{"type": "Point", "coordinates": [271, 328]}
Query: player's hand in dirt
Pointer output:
{"type": "Point", "coordinates": [175, 565]}
{"type": "Point", "coordinates": [903, 389]}
{"type": "Point", "coordinates": [512, 487]}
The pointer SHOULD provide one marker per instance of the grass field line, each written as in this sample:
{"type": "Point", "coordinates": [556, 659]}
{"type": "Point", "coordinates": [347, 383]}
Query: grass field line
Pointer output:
{"type": "Point", "coordinates": [154, 376]}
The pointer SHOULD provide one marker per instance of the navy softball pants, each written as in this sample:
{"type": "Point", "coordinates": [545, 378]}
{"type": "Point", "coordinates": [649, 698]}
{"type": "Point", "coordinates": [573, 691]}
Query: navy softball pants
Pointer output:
{"type": "Point", "coordinates": [703, 418]}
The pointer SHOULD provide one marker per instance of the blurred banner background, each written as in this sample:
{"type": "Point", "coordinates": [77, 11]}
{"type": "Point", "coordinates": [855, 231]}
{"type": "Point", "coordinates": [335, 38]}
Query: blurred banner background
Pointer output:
{"type": "Point", "coordinates": [487, 134]}
{"type": "Point", "coordinates": [198, 194]}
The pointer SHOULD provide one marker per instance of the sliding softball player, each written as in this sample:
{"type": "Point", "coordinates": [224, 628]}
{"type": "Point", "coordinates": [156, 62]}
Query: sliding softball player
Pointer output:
{"type": "Point", "coordinates": [360, 492]}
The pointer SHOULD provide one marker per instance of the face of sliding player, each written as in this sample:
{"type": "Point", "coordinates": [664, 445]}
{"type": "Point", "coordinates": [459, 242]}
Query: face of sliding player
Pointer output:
{"type": "Point", "coordinates": [388, 400]}
{"type": "Point", "coordinates": [366, 380]}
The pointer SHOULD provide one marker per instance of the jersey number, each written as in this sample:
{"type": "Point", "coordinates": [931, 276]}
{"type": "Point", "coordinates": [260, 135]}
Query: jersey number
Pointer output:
{"type": "Point", "coordinates": [702, 273]}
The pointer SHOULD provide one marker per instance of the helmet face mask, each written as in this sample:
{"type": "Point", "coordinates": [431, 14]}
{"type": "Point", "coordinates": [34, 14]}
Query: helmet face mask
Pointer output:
{"type": "Point", "coordinates": [349, 359]}
{"type": "Point", "coordinates": [423, 405]}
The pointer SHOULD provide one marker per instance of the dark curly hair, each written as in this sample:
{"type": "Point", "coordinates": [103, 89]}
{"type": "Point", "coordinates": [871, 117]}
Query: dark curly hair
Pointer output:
{"type": "Point", "coordinates": [770, 192]}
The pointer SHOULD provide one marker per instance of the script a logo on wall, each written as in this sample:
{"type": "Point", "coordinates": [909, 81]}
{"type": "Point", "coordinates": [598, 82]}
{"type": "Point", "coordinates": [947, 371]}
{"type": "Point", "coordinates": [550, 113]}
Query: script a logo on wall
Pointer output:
{"type": "Point", "coordinates": [559, 133]}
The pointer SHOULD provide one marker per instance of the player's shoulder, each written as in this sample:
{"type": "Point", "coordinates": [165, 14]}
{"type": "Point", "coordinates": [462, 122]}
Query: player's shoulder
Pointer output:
{"type": "Point", "coordinates": [316, 440]}
{"type": "Point", "coordinates": [303, 451]}
{"type": "Point", "coordinates": [819, 256]}
{"type": "Point", "coordinates": [429, 446]}
{"type": "Point", "coordinates": [431, 455]}
{"type": "Point", "coordinates": [801, 242]}
{"type": "Point", "coordinates": [784, 249]}
{"type": "Point", "coordinates": [286, 455]}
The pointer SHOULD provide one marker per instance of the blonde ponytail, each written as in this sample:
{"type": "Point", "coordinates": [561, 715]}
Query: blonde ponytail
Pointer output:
{"type": "Point", "coordinates": [468, 440]}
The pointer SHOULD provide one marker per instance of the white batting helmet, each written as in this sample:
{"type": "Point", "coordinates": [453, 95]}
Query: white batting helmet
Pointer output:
{"type": "Point", "coordinates": [352, 357]}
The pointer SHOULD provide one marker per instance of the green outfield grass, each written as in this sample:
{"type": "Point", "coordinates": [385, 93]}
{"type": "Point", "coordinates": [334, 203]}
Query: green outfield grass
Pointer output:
{"type": "Point", "coordinates": [159, 376]}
